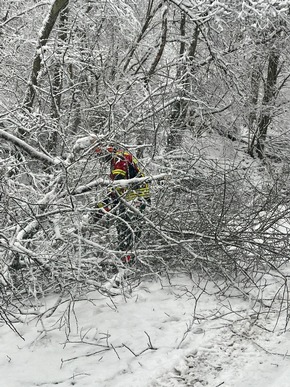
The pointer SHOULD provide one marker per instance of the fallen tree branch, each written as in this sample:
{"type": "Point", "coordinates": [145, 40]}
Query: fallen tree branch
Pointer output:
{"type": "Point", "coordinates": [29, 149]}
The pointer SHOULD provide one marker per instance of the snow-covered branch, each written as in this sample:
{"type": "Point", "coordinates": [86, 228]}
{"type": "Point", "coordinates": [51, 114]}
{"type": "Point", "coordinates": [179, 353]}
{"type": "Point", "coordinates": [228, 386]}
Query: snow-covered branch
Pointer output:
{"type": "Point", "coordinates": [29, 149]}
{"type": "Point", "coordinates": [84, 142]}
{"type": "Point", "coordinates": [88, 187]}
{"type": "Point", "coordinates": [24, 12]}
{"type": "Point", "coordinates": [136, 180]}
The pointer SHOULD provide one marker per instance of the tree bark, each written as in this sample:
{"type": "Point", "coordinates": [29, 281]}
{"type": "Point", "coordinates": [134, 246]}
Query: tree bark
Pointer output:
{"type": "Point", "coordinates": [256, 76]}
{"type": "Point", "coordinates": [158, 56]}
{"type": "Point", "coordinates": [58, 67]}
{"type": "Point", "coordinates": [149, 16]}
{"type": "Point", "coordinates": [270, 94]}
{"type": "Point", "coordinates": [180, 107]}
{"type": "Point", "coordinates": [48, 24]}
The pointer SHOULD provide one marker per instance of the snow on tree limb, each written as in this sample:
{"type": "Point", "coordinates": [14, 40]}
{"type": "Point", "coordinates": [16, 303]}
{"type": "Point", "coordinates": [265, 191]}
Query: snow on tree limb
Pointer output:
{"type": "Point", "coordinates": [88, 187]}
{"type": "Point", "coordinates": [28, 148]}
{"type": "Point", "coordinates": [81, 143]}
{"type": "Point", "coordinates": [118, 183]}
{"type": "Point", "coordinates": [84, 142]}
{"type": "Point", "coordinates": [126, 182]}
{"type": "Point", "coordinates": [25, 11]}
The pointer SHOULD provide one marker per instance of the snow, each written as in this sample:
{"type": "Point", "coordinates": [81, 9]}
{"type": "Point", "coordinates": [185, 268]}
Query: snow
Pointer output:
{"type": "Point", "coordinates": [84, 142]}
{"type": "Point", "coordinates": [180, 332]}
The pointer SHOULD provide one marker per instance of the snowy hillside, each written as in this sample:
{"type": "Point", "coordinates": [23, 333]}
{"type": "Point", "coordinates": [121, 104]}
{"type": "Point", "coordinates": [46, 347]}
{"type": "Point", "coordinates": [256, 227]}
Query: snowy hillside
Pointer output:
{"type": "Point", "coordinates": [159, 335]}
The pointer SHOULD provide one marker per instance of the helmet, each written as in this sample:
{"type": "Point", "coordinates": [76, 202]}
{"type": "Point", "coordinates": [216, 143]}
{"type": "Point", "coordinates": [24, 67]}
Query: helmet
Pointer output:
{"type": "Point", "coordinates": [105, 151]}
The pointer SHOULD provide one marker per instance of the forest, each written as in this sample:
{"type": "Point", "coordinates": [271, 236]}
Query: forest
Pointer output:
{"type": "Point", "coordinates": [197, 90]}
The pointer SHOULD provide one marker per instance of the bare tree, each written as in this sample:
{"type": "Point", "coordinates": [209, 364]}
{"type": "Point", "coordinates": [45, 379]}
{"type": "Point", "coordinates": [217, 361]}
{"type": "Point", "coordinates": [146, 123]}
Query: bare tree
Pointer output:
{"type": "Point", "coordinates": [57, 81]}
{"type": "Point", "coordinates": [56, 7]}
{"type": "Point", "coordinates": [268, 103]}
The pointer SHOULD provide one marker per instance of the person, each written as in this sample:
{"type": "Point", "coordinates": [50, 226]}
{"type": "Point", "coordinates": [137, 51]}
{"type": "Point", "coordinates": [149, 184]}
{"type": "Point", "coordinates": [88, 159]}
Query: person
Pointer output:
{"type": "Point", "coordinates": [122, 199]}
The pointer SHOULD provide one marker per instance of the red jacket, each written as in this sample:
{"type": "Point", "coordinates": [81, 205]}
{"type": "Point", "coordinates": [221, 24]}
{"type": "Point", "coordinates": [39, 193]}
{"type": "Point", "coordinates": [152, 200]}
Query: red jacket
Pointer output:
{"type": "Point", "coordinates": [125, 166]}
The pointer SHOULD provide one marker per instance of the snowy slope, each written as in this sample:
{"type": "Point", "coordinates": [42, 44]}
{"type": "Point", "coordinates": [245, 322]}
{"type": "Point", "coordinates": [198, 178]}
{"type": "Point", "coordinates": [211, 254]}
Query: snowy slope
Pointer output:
{"type": "Point", "coordinates": [157, 336]}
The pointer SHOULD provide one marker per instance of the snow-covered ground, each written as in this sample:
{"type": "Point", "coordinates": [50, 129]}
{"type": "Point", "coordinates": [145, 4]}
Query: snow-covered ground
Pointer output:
{"type": "Point", "coordinates": [159, 335]}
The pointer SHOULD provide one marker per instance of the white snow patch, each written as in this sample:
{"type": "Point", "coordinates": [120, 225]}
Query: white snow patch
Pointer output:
{"type": "Point", "coordinates": [160, 335]}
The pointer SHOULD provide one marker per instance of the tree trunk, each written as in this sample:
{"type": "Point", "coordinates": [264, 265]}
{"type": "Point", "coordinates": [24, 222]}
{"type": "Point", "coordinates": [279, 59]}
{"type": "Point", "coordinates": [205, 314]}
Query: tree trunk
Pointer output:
{"type": "Point", "coordinates": [149, 16]}
{"type": "Point", "coordinates": [159, 54]}
{"type": "Point", "coordinates": [58, 67]}
{"type": "Point", "coordinates": [270, 94]}
{"type": "Point", "coordinates": [256, 76]}
{"type": "Point", "coordinates": [180, 107]}
{"type": "Point", "coordinates": [48, 24]}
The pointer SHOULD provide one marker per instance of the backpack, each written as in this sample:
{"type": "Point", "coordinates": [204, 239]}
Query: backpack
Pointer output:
{"type": "Point", "coordinates": [132, 168]}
